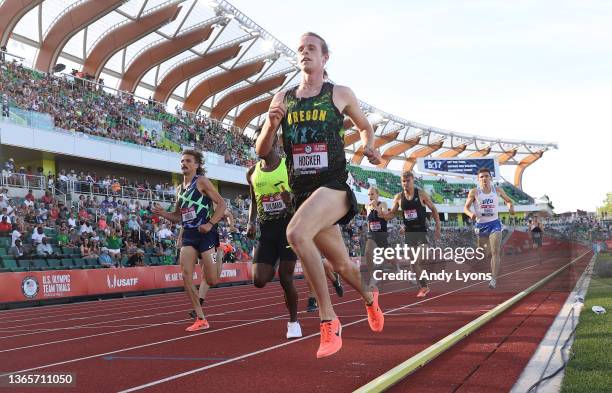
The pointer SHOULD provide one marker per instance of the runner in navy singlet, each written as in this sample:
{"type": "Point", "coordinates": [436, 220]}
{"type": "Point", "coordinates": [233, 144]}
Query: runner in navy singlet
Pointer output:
{"type": "Point", "coordinates": [199, 208]}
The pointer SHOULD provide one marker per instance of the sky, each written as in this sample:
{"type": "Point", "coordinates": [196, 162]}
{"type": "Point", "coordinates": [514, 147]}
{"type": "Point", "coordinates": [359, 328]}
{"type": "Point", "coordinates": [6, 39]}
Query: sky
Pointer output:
{"type": "Point", "coordinates": [521, 69]}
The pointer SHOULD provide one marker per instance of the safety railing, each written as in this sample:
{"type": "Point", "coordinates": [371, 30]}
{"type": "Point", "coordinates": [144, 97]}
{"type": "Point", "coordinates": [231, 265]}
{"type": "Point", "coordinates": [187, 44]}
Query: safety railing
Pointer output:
{"type": "Point", "coordinates": [23, 180]}
{"type": "Point", "coordinates": [115, 190]}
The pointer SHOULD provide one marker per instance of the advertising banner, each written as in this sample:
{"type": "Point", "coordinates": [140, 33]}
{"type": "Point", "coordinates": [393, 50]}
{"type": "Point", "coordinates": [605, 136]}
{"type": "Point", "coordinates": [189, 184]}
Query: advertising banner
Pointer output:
{"type": "Point", "coordinates": [24, 286]}
{"type": "Point", "coordinates": [466, 167]}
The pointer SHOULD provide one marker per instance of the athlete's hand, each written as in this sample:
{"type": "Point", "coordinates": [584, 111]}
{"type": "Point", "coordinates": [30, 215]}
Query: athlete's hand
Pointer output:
{"type": "Point", "coordinates": [372, 154]}
{"type": "Point", "coordinates": [205, 228]}
{"type": "Point", "coordinates": [275, 115]}
{"type": "Point", "coordinates": [158, 210]}
{"type": "Point", "coordinates": [250, 233]}
{"type": "Point", "coordinates": [285, 196]}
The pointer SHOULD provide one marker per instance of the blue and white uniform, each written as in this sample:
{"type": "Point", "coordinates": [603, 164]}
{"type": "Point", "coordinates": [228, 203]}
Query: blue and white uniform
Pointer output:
{"type": "Point", "coordinates": [487, 212]}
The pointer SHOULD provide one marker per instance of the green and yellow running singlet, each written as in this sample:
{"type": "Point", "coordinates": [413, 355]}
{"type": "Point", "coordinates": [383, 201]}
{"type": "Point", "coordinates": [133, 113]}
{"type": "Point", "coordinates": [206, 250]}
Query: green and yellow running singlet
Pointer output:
{"type": "Point", "coordinates": [313, 140]}
{"type": "Point", "coordinates": [268, 187]}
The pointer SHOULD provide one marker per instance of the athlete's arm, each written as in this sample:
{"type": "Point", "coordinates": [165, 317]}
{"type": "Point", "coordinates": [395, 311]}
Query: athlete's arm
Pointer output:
{"type": "Point", "coordinates": [179, 239]}
{"type": "Point", "coordinates": [174, 216]}
{"type": "Point", "coordinates": [347, 123]}
{"type": "Point", "coordinates": [506, 199]}
{"type": "Point", "coordinates": [468, 204]}
{"type": "Point", "coordinates": [227, 214]}
{"type": "Point", "coordinates": [393, 211]}
{"type": "Point", "coordinates": [206, 187]}
{"type": "Point", "coordinates": [276, 112]}
{"type": "Point", "coordinates": [348, 105]}
{"type": "Point", "coordinates": [253, 208]}
{"type": "Point", "coordinates": [434, 212]}
{"type": "Point", "coordinates": [382, 208]}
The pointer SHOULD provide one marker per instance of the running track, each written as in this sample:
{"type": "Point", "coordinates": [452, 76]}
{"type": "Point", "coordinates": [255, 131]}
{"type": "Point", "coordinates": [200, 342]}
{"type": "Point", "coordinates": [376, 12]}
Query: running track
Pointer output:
{"type": "Point", "coordinates": [139, 343]}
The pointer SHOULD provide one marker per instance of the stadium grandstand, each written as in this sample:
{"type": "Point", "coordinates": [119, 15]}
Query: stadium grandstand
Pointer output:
{"type": "Point", "coordinates": [99, 98]}
{"type": "Point", "coordinates": [149, 78]}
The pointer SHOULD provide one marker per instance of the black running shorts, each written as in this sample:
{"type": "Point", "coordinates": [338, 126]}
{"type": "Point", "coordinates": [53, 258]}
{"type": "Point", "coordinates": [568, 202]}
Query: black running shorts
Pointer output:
{"type": "Point", "coordinates": [415, 239]}
{"type": "Point", "coordinates": [273, 245]}
{"type": "Point", "coordinates": [537, 238]}
{"type": "Point", "coordinates": [380, 238]}
{"type": "Point", "coordinates": [298, 199]}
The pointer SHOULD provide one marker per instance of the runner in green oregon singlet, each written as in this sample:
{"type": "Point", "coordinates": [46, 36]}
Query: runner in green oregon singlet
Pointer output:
{"type": "Point", "coordinates": [311, 118]}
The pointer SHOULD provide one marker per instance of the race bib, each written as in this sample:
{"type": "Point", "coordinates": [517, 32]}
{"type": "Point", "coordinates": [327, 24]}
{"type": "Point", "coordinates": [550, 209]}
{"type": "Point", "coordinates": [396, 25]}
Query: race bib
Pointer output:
{"type": "Point", "coordinates": [272, 204]}
{"type": "Point", "coordinates": [310, 157]}
{"type": "Point", "coordinates": [487, 213]}
{"type": "Point", "coordinates": [188, 214]}
{"type": "Point", "coordinates": [410, 214]}
{"type": "Point", "coordinates": [375, 226]}
{"type": "Point", "coordinates": [487, 210]}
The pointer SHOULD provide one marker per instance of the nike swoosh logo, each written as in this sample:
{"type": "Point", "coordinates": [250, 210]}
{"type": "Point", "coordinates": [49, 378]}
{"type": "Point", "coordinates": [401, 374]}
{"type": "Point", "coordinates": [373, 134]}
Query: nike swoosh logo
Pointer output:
{"type": "Point", "coordinates": [317, 104]}
{"type": "Point", "coordinates": [279, 183]}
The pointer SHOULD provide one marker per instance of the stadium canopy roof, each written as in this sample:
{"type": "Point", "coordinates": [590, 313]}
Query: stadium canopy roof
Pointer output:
{"type": "Point", "coordinates": [209, 57]}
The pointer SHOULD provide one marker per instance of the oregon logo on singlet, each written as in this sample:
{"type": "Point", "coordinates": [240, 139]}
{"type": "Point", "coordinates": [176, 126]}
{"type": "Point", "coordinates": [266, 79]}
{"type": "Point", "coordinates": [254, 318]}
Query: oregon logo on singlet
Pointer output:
{"type": "Point", "coordinates": [313, 139]}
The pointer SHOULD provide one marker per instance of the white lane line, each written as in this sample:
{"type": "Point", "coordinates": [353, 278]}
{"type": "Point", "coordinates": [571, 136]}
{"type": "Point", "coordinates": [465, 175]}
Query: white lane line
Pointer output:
{"type": "Point", "coordinates": [127, 330]}
{"type": "Point", "coordinates": [241, 325]}
{"type": "Point", "coordinates": [271, 348]}
{"type": "Point", "coordinates": [252, 298]}
{"type": "Point", "coordinates": [134, 307]}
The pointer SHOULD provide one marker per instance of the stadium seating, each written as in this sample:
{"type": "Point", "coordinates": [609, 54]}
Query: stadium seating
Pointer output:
{"type": "Point", "coordinates": [78, 105]}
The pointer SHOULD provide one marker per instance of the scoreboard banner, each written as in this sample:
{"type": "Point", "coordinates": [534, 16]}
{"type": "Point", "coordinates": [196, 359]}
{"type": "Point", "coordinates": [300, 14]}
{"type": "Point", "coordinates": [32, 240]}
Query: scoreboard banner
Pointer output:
{"type": "Point", "coordinates": [466, 167]}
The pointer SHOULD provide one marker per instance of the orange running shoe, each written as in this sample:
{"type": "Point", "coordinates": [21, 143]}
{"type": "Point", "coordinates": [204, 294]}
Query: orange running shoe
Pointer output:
{"type": "Point", "coordinates": [331, 339]}
{"type": "Point", "coordinates": [376, 318]}
{"type": "Point", "coordinates": [423, 292]}
{"type": "Point", "coordinates": [199, 324]}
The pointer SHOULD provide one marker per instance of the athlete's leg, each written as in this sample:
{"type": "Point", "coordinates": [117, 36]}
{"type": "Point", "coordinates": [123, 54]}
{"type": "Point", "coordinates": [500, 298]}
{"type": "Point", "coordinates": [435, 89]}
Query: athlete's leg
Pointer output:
{"type": "Point", "coordinates": [484, 243]}
{"type": "Point", "coordinates": [333, 277]}
{"type": "Point", "coordinates": [495, 242]}
{"type": "Point", "coordinates": [209, 269]}
{"type": "Point", "coordinates": [539, 248]}
{"type": "Point", "coordinates": [321, 210]}
{"type": "Point", "coordinates": [312, 298]}
{"type": "Point", "coordinates": [418, 267]}
{"type": "Point", "coordinates": [220, 254]}
{"type": "Point", "coordinates": [369, 254]}
{"type": "Point", "coordinates": [204, 287]}
{"type": "Point", "coordinates": [262, 274]}
{"type": "Point", "coordinates": [327, 241]}
{"type": "Point", "coordinates": [329, 270]}
{"type": "Point", "coordinates": [285, 273]}
{"type": "Point", "coordinates": [188, 260]}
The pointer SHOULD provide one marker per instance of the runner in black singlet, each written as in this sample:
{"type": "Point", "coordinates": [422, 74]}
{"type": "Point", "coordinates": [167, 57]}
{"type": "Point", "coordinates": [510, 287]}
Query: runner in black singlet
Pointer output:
{"type": "Point", "coordinates": [537, 235]}
{"type": "Point", "coordinates": [412, 202]}
{"type": "Point", "coordinates": [377, 231]}
{"type": "Point", "coordinates": [312, 117]}
{"type": "Point", "coordinates": [195, 210]}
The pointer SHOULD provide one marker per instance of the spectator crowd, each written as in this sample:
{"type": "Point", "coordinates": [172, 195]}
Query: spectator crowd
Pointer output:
{"type": "Point", "coordinates": [81, 106]}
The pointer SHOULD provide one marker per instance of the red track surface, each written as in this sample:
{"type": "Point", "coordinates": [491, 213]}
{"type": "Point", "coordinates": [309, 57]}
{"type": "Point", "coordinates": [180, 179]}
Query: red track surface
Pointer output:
{"type": "Point", "coordinates": [120, 344]}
